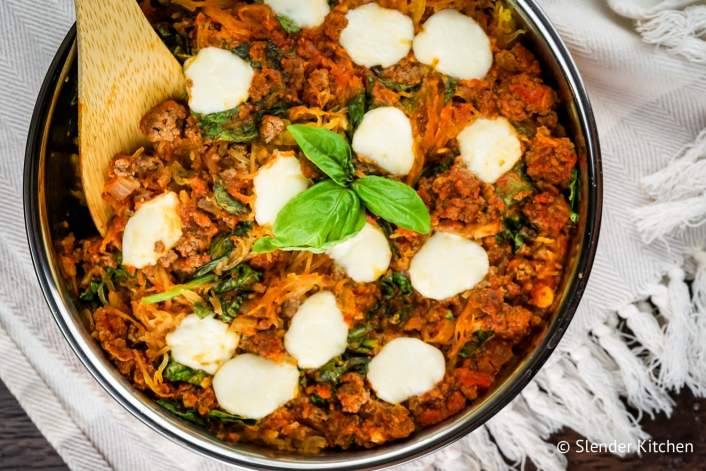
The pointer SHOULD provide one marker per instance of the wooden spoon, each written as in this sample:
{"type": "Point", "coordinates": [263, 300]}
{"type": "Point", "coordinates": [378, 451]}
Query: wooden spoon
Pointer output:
{"type": "Point", "coordinates": [124, 69]}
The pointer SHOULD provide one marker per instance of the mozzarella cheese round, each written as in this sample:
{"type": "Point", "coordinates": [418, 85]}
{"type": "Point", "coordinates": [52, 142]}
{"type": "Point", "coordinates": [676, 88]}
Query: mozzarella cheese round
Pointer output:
{"type": "Point", "coordinates": [384, 137]}
{"type": "Point", "coordinates": [365, 256]}
{"type": "Point", "coordinates": [203, 344]}
{"type": "Point", "coordinates": [376, 35]}
{"type": "Point", "coordinates": [455, 45]}
{"type": "Point", "coordinates": [405, 367]}
{"type": "Point", "coordinates": [489, 147]}
{"type": "Point", "coordinates": [252, 387]}
{"type": "Point", "coordinates": [305, 13]}
{"type": "Point", "coordinates": [275, 184]}
{"type": "Point", "coordinates": [218, 80]}
{"type": "Point", "coordinates": [446, 265]}
{"type": "Point", "coordinates": [317, 332]}
{"type": "Point", "coordinates": [157, 220]}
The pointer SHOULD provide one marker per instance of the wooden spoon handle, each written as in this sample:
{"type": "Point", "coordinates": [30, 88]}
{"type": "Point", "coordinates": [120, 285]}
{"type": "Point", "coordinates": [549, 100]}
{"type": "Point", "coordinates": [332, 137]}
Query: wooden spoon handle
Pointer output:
{"type": "Point", "coordinates": [124, 70]}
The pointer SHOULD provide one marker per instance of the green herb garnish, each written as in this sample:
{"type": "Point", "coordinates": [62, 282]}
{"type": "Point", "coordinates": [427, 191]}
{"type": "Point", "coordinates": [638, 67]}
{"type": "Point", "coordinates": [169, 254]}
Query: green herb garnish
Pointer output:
{"type": "Point", "coordinates": [318, 400]}
{"type": "Point", "coordinates": [331, 211]}
{"type": "Point", "coordinates": [394, 201]}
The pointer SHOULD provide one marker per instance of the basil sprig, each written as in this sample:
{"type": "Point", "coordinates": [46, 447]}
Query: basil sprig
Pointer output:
{"type": "Point", "coordinates": [315, 220]}
{"type": "Point", "coordinates": [393, 201]}
{"type": "Point", "coordinates": [334, 210]}
{"type": "Point", "coordinates": [327, 150]}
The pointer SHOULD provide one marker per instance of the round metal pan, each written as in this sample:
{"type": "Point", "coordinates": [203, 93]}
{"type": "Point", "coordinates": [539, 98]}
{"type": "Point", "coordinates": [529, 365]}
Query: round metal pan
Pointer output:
{"type": "Point", "coordinates": [50, 202]}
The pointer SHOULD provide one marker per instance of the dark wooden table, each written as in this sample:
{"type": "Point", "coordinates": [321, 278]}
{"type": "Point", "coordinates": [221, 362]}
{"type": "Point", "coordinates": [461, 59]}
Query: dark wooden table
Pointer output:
{"type": "Point", "coordinates": [22, 447]}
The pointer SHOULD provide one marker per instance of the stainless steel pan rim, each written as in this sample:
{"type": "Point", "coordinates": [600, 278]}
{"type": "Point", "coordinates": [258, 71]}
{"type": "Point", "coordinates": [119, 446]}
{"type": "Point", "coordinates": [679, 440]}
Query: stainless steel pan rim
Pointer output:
{"type": "Point", "coordinates": [427, 441]}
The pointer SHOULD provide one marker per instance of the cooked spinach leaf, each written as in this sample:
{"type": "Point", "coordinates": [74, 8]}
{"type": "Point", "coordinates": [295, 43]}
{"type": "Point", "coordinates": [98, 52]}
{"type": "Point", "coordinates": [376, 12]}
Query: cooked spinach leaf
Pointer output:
{"type": "Point", "coordinates": [395, 284]}
{"type": "Point", "coordinates": [480, 338]}
{"type": "Point", "coordinates": [356, 111]}
{"type": "Point", "coordinates": [288, 25]}
{"type": "Point", "coordinates": [450, 85]}
{"type": "Point", "coordinates": [187, 414]}
{"type": "Point", "coordinates": [512, 184]}
{"type": "Point", "coordinates": [223, 416]}
{"type": "Point", "coordinates": [177, 372]}
{"type": "Point", "coordinates": [318, 401]}
{"type": "Point", "coordinates": [392, 85]}
{"type": "Point", "coordinates": [516, 232]}
{"type": "Point", "coordinates": [332, 371]}
{"type": "Point", "coordinates": [202, 310]}
{"type": "Point", "coordinates": [179, 45]}
{"type": "Point", "coordinates": [241, 277]}
{"type": "Point", "coordinates": [226, 202]}
{"type": "Point", "coordinates": [227, 126]}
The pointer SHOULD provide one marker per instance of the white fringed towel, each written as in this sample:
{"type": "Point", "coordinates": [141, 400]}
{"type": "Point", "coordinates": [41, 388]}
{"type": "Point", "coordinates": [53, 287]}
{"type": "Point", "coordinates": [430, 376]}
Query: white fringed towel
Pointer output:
{"type": "Point", "coordinates": [648, 91]}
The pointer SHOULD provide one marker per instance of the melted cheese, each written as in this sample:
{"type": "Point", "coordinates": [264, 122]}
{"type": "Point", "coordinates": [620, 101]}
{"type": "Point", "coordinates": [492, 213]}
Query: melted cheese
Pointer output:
{"type": "Point", "coordinates": [455, 45]}
{"type": "Point", "coordinates": [405, 367]}
{"type": "Point", "coordinates": [446, 265]}
{"type": "Point", "coordinates": [384, 137]}
{"type": "Point", "coordinates": [275, 184]}
{"type": "Point", "coordinates": [157, 220]}
{"type": "Point", "coordinates": [203, 344]}
{"type": "Point", "coordinates": [317, 332]}
{"type": "Point", "coordinates": [305, 13]}
{"type": "Point", "coordinates": [251, 386]}
{"type": "Point", "coordinates": [365, 256]}
{"type": "Point", "coordinates": [218, 80]}
{"type": "Point", "coordinates": [376, 35]}
{"type": "Point", "coordinates": [490, 147]}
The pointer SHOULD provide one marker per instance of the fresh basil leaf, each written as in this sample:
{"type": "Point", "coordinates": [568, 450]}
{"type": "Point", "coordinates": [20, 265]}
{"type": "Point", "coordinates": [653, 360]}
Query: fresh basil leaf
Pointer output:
{"type": "Point", "coordinates": [316, 219]}
{"type": "Point", "coordinates": [394, 201]}
{"type": "Point", "coordinates": [226, 202]}
{"type": "Point", "coordinates": [265, 245]}
{"type": "Point", "coordinates": [177, 290]}
{"type": "Point", "coordinates": [187, 414]}
{"type": "Point", "coordinates": [177, 372]}
{"type": "Point", "coordinates": [288, 25]}
{"type": "Point", "coordinates": [356, 111]}
{"type": "Point", "coordinates": [329, 151]}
